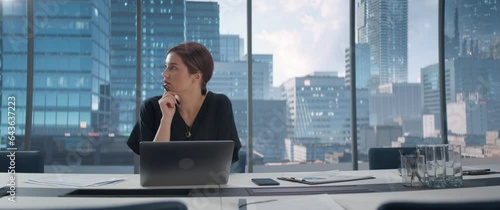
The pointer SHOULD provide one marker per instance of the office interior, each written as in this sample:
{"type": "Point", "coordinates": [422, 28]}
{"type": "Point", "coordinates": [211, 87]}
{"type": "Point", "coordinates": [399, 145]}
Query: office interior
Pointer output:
{"type": "Point", "coordinates": [314, 85]}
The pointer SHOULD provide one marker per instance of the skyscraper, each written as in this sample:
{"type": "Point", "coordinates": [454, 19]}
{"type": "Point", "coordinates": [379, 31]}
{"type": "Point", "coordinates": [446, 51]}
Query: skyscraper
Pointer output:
{"type": "Point", "coordinates": [476, 80]}
{"type": "Point", "coordinates": [383, 24]}
{"type": "Point", "coordinates": [13, 54]}
{"type": "Point", "coordinates": [163, 26]}
{"type": "Point", "coordinates": [71, 68]}
{"type": "Point", "coordinates": [268, 59]}
{"type": "Point", "coordinates": [363, 74]}
{"type": "Point", "coordinates": [202, 25]}
{"type": "Point", "coordinates": [478, 26]}
{"type": "Point", "coordinates": [230, 78]}
{"type": "Point", "coordinates": [231, 47]}
{"type": "Point", "coordinates": [319, 107]}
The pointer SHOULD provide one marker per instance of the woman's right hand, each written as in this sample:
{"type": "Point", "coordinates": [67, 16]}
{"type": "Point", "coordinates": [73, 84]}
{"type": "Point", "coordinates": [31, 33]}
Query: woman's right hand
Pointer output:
{"type": "Point", "coordinates": [167, 105]}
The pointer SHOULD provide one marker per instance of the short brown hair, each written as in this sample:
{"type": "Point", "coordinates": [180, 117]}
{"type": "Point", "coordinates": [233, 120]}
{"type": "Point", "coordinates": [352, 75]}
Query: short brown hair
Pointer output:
{"type": "Point", "coordinates": [197, 58]}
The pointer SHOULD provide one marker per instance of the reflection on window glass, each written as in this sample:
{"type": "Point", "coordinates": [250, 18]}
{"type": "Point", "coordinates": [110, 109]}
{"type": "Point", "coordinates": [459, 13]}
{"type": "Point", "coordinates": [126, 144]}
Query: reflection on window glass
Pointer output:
{"type": "Point", "coordinates": [394, 62]}
{"type": "Point", "coordinates": [472, 50]}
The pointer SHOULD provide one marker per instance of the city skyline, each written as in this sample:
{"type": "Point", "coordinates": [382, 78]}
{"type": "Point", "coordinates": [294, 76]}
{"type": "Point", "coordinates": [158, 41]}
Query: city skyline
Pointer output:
{"type": "Point", "coordinates": [299, 31]}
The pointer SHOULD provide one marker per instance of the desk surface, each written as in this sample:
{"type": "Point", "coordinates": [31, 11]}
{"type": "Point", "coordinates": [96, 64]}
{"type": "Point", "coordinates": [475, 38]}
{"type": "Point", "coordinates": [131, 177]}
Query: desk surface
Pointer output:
{"type": "Point", "coordinates": [323, 201]}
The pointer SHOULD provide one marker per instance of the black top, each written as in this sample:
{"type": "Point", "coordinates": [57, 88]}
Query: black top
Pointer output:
{"type": "Point", "coordinates": [215, 121]}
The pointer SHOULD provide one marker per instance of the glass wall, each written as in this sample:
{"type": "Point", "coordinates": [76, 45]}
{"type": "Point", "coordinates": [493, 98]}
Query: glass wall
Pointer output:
{"type": "Point", "coordinates": [303, 115]}
{"type": "Point", "coordinates": [472, 52]}
{"type": "Point", "coordinates": [393, 58]}
{"type": "Point", "coordinates": [13, 56]}
{"type": "Point", "coordinates": [85, 56]}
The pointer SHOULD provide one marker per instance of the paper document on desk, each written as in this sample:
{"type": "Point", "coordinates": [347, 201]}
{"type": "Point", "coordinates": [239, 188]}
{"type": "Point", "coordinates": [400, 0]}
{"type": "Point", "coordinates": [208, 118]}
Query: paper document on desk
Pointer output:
{"type": "Point", "coordinates": [74, 181]}
{"type": "Point", "coordinates": [326, 178]}
{"type": "Point", "coordinates": [317, 202]}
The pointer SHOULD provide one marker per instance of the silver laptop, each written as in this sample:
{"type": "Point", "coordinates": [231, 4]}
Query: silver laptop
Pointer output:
{"type": "Point", "coordinates": [185, 162]}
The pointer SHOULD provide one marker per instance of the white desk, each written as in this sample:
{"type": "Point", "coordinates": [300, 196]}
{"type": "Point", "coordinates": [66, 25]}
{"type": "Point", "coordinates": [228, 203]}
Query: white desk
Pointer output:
{"type": "Point", "coordinates": [348, 201]}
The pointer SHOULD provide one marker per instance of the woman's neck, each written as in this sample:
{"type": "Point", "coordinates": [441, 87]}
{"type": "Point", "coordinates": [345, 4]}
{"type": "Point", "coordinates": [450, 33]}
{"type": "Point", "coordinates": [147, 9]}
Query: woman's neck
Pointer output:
{"type": "Point", "coordinates": [190, 106]}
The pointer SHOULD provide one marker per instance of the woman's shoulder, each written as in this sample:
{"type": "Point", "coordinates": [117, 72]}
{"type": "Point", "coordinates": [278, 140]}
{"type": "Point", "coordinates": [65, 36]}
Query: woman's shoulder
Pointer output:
{"type": "Point", "coordinates": [217, 97]}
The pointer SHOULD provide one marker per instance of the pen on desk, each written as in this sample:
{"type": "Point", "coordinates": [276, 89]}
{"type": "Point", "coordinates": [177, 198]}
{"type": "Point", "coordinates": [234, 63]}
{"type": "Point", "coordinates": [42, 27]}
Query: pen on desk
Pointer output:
{"type": "Point", "coordinates": [476, 171]}
{"type": "Point", "coordinates": [241, 205]}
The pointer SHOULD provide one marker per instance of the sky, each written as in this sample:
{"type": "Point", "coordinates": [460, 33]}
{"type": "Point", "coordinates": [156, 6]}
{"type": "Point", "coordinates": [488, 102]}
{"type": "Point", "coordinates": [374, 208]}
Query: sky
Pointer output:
{"type": "Point", "coordinates": [311, 35]}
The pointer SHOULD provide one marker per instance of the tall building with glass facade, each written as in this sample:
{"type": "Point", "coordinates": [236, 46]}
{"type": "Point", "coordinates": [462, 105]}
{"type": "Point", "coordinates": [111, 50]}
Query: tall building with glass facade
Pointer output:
{"type": "Point", "coordinates": [231, 47]}
{"type": "Point", "coordinates": [202, 25]}
{"type": "Point", "coordinates": [13, 47]}
{"type": "Point", "coordinates": [163, 26]}
{"type": "Point", "coordinates": [230, 78]}
{"type": "Point", "coordinates": [383, 24]}
{"type": "Point", "coordinates": [319, 107]}
{"type": "Point", "coordinates": [363, 73]}
{"type": "Point", "coordinates": [71, 93]}
{"type": "Point", "coordinates": [268, 59]}
{"type": "Point", "coordinates": [478, 26]}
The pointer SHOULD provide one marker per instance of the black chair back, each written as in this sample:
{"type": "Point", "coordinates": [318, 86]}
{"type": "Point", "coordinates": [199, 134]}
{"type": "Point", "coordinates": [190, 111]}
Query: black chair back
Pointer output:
{"type": "Point", "coordinates": [22, 161]}
{"type": "Point", "coordinates": [387, 157]}
{"type": "Point", "coordinates": [239, 166]}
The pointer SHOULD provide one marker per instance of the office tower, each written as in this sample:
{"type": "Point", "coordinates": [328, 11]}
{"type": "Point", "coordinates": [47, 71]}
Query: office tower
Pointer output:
{"type": "Point", "coordinates": [363, 73]}
{"type": "Point", "coordinates": [264, 58]}
{"type": "Point", "coordinates": [395, 101]}
{"type": "Point", "coordinates": [478, 26]}
{"type": "Point", "coordinates": [269, 127]}
{"type": "Point", "coordinates": [361, 24]}
{"type": "Point", "coordinates": [477, 80]}
{"type": "Point", "coordinates": [13, 56]}
{"type": "Point", "coordinates": [319, 107]}
{"type": "Point", "coordinates": [378, 136]}
{"type": "Point", "coordinates": [71, 93]}
{"type": "Point", "coordinates": [163, 26]}
{"type": "Point", "coordinates": [123, 63]}
{"type": "Point", "coordinates": [429, 87]}
{"type": "Point", "coordinates": [202, 25]}
{"type": "Point", "coordinates": [473, 79]}
{"type": "Point", "coordinates": [467, 117]}
{"type": "Point", "coordinates": [231, 47]}
{"type": "Point", "coordinates": [451, 31]}
{"type": "Point", "coordinates": [231, 79]}
{"type": "Point", "coordinates": [383, 25]}
{"type": "Point", "coordinates": [311, 150]}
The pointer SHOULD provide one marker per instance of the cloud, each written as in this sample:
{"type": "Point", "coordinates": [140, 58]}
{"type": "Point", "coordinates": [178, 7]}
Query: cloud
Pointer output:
{"type": "Point", "coordinates": [289, 57]}
{"type": "Point", "coordinates": [304, 37]}
{"type": "Point", "coordinates": [262, 6]}
{"type": "Point", "coordinates": [292, 5]}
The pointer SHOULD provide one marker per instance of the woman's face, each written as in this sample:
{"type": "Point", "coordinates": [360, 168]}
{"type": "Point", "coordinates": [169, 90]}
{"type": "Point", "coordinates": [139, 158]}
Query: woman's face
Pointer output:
{"type": "Point", "coordinates": [176, 75]}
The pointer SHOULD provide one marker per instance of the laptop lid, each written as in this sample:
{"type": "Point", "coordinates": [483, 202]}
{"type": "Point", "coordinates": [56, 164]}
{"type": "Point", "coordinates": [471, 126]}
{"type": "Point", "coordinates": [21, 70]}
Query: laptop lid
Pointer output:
{"type": "Point", "coordinates": [185, 162]}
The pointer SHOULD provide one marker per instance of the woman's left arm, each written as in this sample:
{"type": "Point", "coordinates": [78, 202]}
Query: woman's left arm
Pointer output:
{"type": "Point", "coordinates": [227, 127]}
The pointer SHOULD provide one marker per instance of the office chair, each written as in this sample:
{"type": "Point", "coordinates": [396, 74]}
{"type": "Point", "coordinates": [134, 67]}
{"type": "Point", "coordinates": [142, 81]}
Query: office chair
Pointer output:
{"type": "Point", "coordinates": [239, 166]}
{"type": "Point", "coordinates": [387, 158]}
{"type": "Point", "coordinates": [476, 205]}
{"type": "Point", "coordinates": [25, 161]}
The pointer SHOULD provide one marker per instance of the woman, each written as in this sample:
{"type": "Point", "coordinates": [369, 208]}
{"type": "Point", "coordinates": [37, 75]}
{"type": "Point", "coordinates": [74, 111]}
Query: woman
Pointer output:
{"type": "Point", "coordinates": [187, 111]}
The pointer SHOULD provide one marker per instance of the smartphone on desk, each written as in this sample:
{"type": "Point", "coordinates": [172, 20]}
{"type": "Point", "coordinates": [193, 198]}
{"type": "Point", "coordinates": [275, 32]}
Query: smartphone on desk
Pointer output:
{"type": "Point", "coordinates": [265, 181]}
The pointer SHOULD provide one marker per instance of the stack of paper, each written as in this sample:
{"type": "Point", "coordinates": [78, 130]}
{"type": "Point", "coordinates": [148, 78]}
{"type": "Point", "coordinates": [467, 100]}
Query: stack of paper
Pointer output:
{"type": "Point", "coordinates": [74, 181]}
